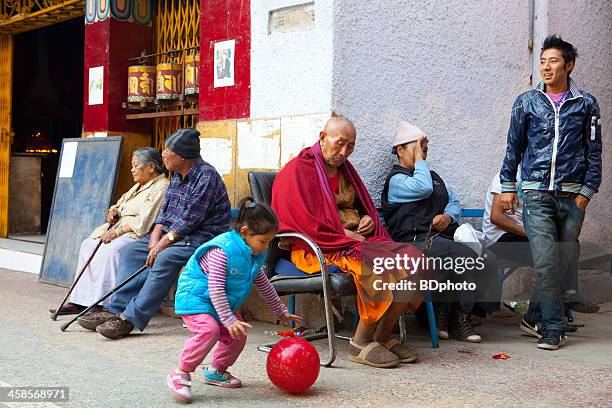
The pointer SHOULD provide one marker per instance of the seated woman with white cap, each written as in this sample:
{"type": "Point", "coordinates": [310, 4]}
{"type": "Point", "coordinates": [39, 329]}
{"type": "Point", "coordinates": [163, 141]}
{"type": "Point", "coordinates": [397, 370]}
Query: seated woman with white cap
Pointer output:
{"type": "Point", "coordinates": [419, 207]}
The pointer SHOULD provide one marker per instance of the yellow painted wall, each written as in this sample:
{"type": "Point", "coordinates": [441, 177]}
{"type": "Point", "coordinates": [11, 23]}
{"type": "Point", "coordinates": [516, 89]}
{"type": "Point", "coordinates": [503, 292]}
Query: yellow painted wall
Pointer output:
{"type": "Point", "coordinates": [236, 180]}
{"type": "Point", "coordinates": [224, 129]}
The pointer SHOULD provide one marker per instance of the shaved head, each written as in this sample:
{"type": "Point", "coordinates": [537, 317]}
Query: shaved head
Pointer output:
{"type": "Point", "coordinates": [337, 141]}
{"type": "Point", "coordinates": [341, 124]}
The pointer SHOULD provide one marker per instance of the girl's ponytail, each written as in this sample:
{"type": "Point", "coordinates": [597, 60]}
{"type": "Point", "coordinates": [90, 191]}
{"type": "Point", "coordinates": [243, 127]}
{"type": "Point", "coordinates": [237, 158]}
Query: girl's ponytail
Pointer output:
{"type": "Point", "coordinates": [259, 218]}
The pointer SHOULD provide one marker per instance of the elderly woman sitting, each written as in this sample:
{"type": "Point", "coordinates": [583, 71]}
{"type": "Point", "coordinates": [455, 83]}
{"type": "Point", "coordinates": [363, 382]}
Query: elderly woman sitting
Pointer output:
{"type": "Point", "coordinates": [320, 194]}
{"type": "Point", "coordinates": [131, 218]}
{"type": "Point", "coordinates": [419, 207]}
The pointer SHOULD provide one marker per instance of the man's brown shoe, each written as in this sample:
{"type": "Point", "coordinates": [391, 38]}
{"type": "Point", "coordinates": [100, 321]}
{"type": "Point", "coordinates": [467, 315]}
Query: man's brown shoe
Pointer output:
{"type": "Point", "coordinates": [115, 328]}
{"type": "Point", "coordinates": [94, 318]}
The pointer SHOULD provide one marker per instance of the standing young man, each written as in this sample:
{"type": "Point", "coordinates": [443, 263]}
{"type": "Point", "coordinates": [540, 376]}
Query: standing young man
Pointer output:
{"type": "Point", "coordinates": [555, 133]}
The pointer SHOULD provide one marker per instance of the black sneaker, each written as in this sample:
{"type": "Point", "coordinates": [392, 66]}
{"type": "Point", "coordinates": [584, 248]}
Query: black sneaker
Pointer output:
{"type": "Point", "coordinates": [531, 329]}
{"type": "Point", "coordinates": [463, 329]}
{"type": "Point", "coordinates": [551, 339]}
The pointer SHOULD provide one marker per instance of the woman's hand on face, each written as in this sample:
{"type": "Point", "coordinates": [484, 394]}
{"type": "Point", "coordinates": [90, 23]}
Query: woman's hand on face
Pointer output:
{"type": "Point", "coordinates": [366, 225]}
{"type": "Point", "coordinates": [419, 148]}
{"type": "Point", "coordinates": [286, 319]}
{"type": "Point", "coordinates": [238, 329]}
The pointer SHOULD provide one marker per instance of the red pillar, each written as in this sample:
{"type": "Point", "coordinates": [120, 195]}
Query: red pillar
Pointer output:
{"type": "Point", "coordinates": [109, 44]}
{"type": "Point", "coordinates": [223, 20]}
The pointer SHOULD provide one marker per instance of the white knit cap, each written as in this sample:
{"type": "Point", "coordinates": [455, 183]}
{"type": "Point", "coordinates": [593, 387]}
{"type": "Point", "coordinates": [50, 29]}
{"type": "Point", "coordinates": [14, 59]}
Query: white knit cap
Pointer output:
{"type": "Point", "coordinates": [406, 133]}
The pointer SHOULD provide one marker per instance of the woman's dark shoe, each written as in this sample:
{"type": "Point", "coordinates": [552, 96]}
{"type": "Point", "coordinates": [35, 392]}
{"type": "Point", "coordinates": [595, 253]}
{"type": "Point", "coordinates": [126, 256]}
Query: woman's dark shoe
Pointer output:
{"type": "Point", "coordinates": [69, 309]}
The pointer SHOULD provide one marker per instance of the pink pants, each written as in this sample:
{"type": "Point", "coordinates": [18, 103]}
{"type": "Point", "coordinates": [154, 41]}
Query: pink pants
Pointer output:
{"type": "Point", "coordinates": [207, 331]}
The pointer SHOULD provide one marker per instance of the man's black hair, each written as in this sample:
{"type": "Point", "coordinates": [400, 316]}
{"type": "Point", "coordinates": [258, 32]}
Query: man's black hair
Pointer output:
{"type": "Point", "coordinates": [568, 51]}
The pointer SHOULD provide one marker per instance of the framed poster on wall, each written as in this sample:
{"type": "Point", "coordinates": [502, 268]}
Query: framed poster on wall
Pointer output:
{"type": "Point", "coordinates": [224, 63]}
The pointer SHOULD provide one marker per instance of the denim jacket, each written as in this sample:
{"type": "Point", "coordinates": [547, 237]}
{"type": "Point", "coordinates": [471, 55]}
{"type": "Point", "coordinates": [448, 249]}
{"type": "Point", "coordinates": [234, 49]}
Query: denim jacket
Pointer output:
{"type": "Point", "coordinates": [559, 150]}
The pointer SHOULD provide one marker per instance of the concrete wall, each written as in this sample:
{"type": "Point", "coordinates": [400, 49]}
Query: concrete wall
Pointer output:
{"type": "Point", "coordinates": [587, 25]}
{"type": "Point", "coordinates": [290, 72]}
{"type": "Point", "coordinates": [453, 68]}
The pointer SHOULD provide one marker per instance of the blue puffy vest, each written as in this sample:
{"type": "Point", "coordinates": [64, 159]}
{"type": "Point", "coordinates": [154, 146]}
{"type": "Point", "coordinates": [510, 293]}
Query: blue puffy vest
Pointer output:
{"type": "Point", "coordinates": [192, 295]}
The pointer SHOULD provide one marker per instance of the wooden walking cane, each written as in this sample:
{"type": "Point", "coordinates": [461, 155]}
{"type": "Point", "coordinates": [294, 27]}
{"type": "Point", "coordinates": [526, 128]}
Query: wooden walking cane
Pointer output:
{"type": "Point", "coordinates": [54, 315]}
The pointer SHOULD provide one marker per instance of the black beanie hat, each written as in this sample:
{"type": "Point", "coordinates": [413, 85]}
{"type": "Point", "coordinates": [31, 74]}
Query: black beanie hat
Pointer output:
{"type": "Point", "coordinates": [185, 142]}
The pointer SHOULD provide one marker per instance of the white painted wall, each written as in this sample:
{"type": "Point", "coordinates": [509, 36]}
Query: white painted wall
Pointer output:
{"type": "Point", "coordinates": [290, 72]}
{"type": "Point", "coordinates": [451, 67]}
{"type": "Point", "coordinates": [454, 68]}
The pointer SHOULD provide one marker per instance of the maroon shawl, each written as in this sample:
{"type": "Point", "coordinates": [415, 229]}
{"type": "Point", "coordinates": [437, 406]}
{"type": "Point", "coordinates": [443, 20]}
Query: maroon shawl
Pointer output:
{"type": "Point", "coordinates": [304, 203]}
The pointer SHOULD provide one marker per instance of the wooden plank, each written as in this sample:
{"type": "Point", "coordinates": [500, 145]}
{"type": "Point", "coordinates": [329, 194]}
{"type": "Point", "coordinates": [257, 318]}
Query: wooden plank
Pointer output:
{"type": "Point", "coordinates": [152, 115]}
{"type": "Point", "coordinates": [6, 93]}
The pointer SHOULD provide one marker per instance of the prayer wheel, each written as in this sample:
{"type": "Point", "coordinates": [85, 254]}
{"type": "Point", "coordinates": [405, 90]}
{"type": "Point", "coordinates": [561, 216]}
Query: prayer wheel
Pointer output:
{"type": "Point", "coordinates": [169, 80]}
{"type": "Point", "coordinates": [192, 74]}
{"type": "Point", "coordinates": [141, 83]}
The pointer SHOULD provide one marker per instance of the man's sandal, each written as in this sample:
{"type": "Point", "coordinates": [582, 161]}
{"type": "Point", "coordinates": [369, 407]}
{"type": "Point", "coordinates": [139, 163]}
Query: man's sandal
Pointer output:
{"type": "Point", "coordinates": [374, 354]}
{"type": "Point", "coordinates": [406, 354]}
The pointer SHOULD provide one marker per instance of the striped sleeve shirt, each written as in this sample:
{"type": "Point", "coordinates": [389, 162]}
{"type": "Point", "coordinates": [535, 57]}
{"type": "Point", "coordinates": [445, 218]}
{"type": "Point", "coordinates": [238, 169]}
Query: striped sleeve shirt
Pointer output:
{"type": "Point", "coordinates": [214, 264]}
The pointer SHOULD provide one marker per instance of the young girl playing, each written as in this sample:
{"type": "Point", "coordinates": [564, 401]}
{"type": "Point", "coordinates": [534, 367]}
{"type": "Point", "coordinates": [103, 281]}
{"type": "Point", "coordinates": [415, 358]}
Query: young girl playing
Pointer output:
{"type": "Point", "coordinates": [215, 282]}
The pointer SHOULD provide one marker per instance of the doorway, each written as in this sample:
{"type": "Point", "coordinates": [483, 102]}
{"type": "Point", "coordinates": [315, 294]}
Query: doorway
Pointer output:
{"type": "Point", "coordinates": [47, 108]}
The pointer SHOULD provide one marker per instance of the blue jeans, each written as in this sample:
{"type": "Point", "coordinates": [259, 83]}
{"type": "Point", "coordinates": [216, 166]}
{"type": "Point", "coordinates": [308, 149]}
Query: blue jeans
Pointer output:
{"type": "Point", "coordinates": [552, 225]}
{"type": "Point", "coordinates": [142, 296]}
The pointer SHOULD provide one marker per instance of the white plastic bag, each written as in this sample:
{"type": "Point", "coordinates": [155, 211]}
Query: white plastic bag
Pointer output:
{"type": "Point", "coordinates": [469, 236]}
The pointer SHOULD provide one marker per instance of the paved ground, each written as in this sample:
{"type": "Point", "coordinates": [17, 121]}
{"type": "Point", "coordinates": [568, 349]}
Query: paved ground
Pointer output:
{"type": "Point", "coordinates": [130, 372]}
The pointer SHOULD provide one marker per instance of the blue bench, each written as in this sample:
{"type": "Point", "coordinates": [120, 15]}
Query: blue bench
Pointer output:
{"type": "Point", "coordinates": [472, 213]}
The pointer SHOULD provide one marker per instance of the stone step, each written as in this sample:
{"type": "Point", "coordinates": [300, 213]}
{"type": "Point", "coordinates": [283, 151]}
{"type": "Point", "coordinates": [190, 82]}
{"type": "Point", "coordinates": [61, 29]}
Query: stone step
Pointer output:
{"type": "Point", "coordinates": [22, 255]}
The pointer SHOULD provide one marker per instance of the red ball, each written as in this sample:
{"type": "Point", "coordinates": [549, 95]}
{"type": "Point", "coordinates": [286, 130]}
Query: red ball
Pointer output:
{"type": "Point", "coordinates": [293, 365]}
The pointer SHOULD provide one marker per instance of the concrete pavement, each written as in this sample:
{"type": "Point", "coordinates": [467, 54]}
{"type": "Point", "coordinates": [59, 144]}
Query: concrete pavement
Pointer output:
{"type": "Point", "coordinates": [130, 372]}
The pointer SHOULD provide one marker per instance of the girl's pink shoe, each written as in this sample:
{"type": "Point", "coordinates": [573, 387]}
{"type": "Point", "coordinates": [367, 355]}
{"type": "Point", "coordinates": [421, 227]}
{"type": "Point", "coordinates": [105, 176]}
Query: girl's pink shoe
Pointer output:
{"type": "Point", "coordinates": [180, 385]}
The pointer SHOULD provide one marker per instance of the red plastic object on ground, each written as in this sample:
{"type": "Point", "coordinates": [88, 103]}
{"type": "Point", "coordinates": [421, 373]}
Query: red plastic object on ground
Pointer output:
{"type": "Point", "coordinates": [502, 356]}
{"type": "Point", "coordinates": [293, 365]}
